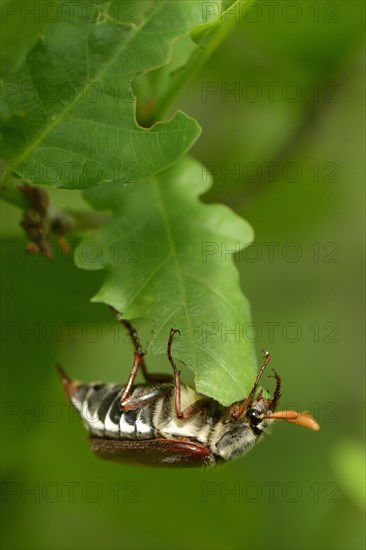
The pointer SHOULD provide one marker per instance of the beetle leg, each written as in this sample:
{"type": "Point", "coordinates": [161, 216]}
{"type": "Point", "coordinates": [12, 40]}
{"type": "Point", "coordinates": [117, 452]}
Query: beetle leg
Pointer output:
{"type": "Point", "coordinates": [178, 411]}
{"type": "Point", "coordinates": [195, 408]}
{"type": "Point", "coordinates": [151, 378]}
{"type": "Point", "coordinates": [236, 411]}
{"type": "Point", "coordinates": [137, 358]}
{"type": "Point", "coordinates": [131, 403]}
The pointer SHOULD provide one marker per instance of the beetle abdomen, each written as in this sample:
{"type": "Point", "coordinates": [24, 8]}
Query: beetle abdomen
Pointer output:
{"type": "Point", "coordinates": [98, 406]}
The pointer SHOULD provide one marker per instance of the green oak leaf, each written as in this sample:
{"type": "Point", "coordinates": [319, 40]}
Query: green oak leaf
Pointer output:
{"type": "Point", "coordinates": [19, 32]}
{"type": "Point", "coordinates": [69, 112]}
{"type": "Point", "coordinates": [168, 258]}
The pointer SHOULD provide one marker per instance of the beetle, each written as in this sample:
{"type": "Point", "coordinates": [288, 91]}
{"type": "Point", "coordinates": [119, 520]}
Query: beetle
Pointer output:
{"type": "Point", "coordinates": [166, 423]}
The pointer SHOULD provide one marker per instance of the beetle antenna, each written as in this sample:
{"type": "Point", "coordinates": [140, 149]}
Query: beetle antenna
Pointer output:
{"type": "Point", "coordinates": [277, 392]}
{"type": "Point", "coordinates": [249, 399]}
{"type": "Point", "coordinates": [299, 418]}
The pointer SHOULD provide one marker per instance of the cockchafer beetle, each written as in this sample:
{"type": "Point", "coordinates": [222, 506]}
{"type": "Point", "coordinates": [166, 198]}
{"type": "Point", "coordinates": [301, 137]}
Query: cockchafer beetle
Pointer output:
{"type": "Point", "coordinates": [166, 423]}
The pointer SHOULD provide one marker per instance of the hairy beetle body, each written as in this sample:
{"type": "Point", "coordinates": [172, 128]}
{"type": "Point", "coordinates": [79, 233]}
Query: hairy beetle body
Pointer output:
{"type": "Point", "coordinates": [98, 406]}
{"type": "Point", "coordinates": [164, 422]}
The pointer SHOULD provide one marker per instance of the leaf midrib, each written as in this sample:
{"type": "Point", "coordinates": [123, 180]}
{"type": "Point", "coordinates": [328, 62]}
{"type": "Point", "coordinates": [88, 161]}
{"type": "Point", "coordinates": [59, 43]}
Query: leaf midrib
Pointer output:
{"type": "Point", "coordinates": [173, 252]}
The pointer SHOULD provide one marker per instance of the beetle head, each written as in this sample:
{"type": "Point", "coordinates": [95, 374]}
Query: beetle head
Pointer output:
{"type": "Point", "coordinates": [257, 410]}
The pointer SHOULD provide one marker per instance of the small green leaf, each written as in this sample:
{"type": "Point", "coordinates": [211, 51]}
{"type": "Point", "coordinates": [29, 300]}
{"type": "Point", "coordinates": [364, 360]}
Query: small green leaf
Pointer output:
{"type": "Point", "coordinates": [167, 257]}
{"type": "Point", "coordinates": [69, 112]}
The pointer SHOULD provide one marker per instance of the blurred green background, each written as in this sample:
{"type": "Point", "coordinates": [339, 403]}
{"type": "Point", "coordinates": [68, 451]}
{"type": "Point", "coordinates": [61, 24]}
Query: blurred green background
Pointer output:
{"type": "Point", "coordinates": [297, 489]}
